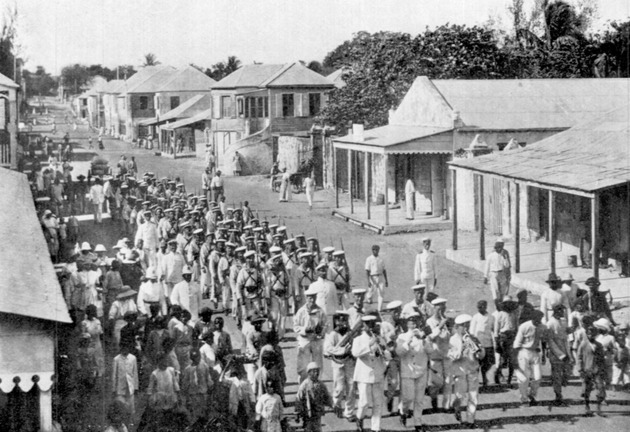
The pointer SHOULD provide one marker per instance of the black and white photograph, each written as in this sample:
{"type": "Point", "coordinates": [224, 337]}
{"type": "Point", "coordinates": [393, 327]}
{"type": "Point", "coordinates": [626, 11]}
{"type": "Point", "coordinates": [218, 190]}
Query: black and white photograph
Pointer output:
{"type": "Point", "coordinates": [314, 215]}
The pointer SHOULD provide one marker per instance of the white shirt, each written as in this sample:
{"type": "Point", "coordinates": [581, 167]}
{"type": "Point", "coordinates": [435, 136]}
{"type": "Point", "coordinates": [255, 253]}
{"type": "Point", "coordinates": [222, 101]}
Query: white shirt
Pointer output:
{"type": "Point", "coordinates": [409, 187]}
{"type": "Point", "coordinates": [375, 265]}
{"type": "Point", "coordinates": [425, 265]}
{"type": "Point", "coordinates": [151, 292]}
{"type": "Point", "coordinates": [97, 196]}
{"type": "Point", "coordinates": [370, 367]}
{"type": "Point", "coordinates": [482, 327]}
{"type": "Point", "coordinates": [217, 182]}
{"type": "Point", "coordinates": [326, 295]}
{"type": "Point", "coordinates": [414, 355]}
{"type": "Point", "coordinates": [189, 298]}
{"type": "Point", "coordinates": [496, 262]}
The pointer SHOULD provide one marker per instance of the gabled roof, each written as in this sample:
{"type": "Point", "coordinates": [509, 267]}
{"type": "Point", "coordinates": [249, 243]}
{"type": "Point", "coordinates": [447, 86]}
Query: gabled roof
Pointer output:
{"type": "Point", "coordinates": [114, 86]}
{"type": "Point", "coordinates": [532, 103]}
{"type": "Point", "coordinates": [336, 78]}
{"type": "Point", "coordinates": [188, 79]}
{"type": "Point", "coordinates": [297, 75]}
{"type": "Point", "coordinates": [28, 283]}
{"type": "Point", "coordinates": [153, 82]}
{"type": "Point", "coordinates": [588, 157]}
{"type": "Point", "coordinates": [7, 82]}
{"type": "Point", "coordinates": [269, 75]}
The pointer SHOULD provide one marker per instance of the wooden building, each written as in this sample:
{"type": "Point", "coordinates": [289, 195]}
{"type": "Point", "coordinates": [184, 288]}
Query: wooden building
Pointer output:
{"type": "Point", "coordinates": [32, 305]}
{"type": "Point", "coordinates": [572, 188]}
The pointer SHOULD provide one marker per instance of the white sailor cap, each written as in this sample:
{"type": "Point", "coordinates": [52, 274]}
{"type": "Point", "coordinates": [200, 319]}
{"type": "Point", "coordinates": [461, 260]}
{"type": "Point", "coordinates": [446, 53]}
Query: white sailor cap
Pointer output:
{"type": "Point", "coordinates": [339, 253]}
{"type": "Point", "coordinates": [359, 291]}
{"type": "Point", "coordinates": [368, 318]}
{"type": "Point", "coordinates": [463, 319]}
{"type": "Point", "coordinates": [419, 287]}
{"type": "Point", "coordinates": [393, 305]}
{"type": "Point", "coordinates": [275, 249]}
{"type": "Point", "coordinates": [328, 249]}
{"type": "Point", "coordinates": [321, 265]}
{"type": "Point", "coordinates": [249, 254]}
{"type": "Point", "coordinates": [438, 301]}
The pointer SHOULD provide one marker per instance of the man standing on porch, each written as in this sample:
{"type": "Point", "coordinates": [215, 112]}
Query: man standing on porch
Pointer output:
{"type": "Point", "coordinates": [498, 272]}
{"type": "Point", "coordinates": [410, 198]}
{"type": "Point", "coordinates": [424, 271]}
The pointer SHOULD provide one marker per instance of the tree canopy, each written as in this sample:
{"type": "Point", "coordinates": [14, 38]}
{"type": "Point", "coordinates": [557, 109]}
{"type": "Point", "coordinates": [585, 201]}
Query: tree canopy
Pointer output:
{"type": "Point", "coordinates": [550, 41]}
{"type": "Point", "coordinates": [150, 59]}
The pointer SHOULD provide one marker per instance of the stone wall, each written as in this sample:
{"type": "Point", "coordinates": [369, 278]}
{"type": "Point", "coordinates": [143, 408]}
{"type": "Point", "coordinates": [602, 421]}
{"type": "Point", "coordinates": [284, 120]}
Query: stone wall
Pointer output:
{"type": "Point", "coordinates": [292, 150]}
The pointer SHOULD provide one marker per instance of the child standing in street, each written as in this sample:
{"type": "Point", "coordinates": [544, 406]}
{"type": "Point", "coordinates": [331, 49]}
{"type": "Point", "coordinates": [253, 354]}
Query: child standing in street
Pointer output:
{"type": "Point", "coordinates": [269, 410]}
{"type": "Point", "coordinates": [312, 399]}
{"type": "Point", "coordinates": [591, 366]}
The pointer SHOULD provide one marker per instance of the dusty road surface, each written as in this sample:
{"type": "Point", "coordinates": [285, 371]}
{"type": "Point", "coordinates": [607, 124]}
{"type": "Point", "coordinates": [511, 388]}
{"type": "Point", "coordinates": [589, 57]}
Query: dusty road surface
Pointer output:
{"type": "Point", "coordinates": [498, 408]}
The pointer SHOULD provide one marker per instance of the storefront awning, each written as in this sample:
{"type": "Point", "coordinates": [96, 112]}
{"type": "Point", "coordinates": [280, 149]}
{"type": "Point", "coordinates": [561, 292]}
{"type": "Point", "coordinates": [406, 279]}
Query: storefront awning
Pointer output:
{"type": "Point", "coordinates": [398, 139]}
{"type": "Point", "coordinates": [204, 115]}
{"type": "Point", "coordinates": [148, 122]}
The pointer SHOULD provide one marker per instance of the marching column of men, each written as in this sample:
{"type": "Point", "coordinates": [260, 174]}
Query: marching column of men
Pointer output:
{"type": "Point", "coordinates": [187, 247]}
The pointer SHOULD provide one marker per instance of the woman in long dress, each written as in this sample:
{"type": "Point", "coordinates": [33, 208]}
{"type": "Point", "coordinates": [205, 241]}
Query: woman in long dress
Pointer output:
{"type": "Point", "coordinates": [410, 192]}
{"type": "Point", "coordinates": [92, 331]}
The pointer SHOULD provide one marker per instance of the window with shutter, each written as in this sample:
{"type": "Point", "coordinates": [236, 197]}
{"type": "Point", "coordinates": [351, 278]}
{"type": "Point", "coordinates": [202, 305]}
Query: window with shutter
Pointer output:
{"type": "Point", "coordinates": [299, 112]}
{"type": "Point", "coordinates": [278, 105]}
{"type": "Point", "coordinates": [216, 107]}
{"type": "Point", "coordinates": [288, 105]}
{"type": "Point", "coordinates": [314, 103]}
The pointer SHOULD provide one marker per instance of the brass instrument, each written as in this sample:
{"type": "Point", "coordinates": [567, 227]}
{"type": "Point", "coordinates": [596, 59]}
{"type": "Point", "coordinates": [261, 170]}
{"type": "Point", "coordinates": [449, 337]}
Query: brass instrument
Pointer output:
{"type": "Point", "coordinates": [345, 340]}
{"type": "Point", "coordinates": [348, 337]}
{"type": "Point", "coordinates": [471, 345]}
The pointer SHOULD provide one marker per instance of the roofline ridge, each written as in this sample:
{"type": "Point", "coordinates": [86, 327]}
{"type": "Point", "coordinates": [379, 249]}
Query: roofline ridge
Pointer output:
{"type": "Point", "coordinates": [278, 74]}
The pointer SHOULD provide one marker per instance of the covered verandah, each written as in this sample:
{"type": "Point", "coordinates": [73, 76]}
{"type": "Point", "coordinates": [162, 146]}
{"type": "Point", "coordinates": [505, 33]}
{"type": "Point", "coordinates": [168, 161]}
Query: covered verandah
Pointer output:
{"type": "Point", "coordinates": [588, 164]}
{"type": "Point", "coordinates": [183, 137]}
{"type": "Point", "coordinates": [374, 165]}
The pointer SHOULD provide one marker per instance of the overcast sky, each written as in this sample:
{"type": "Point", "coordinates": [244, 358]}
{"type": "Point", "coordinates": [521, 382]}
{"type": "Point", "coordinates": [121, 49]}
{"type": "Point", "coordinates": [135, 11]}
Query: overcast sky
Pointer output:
{"type": "Point", "coordinates": [55, 33]}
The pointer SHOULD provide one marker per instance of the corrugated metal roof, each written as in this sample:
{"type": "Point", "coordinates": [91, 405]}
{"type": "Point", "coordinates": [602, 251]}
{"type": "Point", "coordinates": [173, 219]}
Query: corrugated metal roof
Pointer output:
{"type": "Point", "coordinates": [204, 115]}
{"type": "Point", "coordinates": [588, 157]}
{"type": "Point", "coordinates": [7, 82]}
{"type": "Point", "coordinates": [188, 79]}
{"type": "Point", "coordinates": [114, 86]}
{"type": "Point", "coordinates": [188, 108]}
{"type": "Point", "coordinates": [298, 75]}
{"type": "Point", "coordinates": [248, 76]}
{"type": "Point", "coordinates": [391, 135]}
{"type": "Point", "coordinates": [28, 283]}
{"type": "Point", "coordinates": [533, 103]}
{"type": "Point", "coordinates": [153, 82]}
{"type": "Point", "coordinates": [266, 75]}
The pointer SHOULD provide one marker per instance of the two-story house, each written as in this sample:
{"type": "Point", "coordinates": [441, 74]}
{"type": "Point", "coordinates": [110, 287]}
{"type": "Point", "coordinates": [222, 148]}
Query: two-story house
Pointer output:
{"type": "Point", "coordinates": [110, 106]}
{"type": "Point", "coordinates": [189, 89]}
{"type": "Point", "coordinates": [257, 101]}
{"type": "Point", "coordinates": [137, 102]}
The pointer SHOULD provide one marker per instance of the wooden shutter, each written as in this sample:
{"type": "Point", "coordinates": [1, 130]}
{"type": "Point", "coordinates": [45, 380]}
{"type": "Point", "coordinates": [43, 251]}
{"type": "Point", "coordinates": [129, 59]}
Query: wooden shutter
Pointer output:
{"type": "Point", "coordinates": [278, 104]}
{"type": "Point", "coordinates": [324, 100]}
{"type": "Point", "coordinates": [216, 107]}
{"type": "Point", "coordinates": [297, 102]}
{"type": "Point", "coordinates": [306, 100]}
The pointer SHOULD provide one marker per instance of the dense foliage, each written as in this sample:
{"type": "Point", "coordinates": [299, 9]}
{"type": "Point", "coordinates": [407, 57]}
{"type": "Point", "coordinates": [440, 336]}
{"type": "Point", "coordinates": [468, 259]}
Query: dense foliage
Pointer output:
{"type": "Point", "coordinates": [551, 42]}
